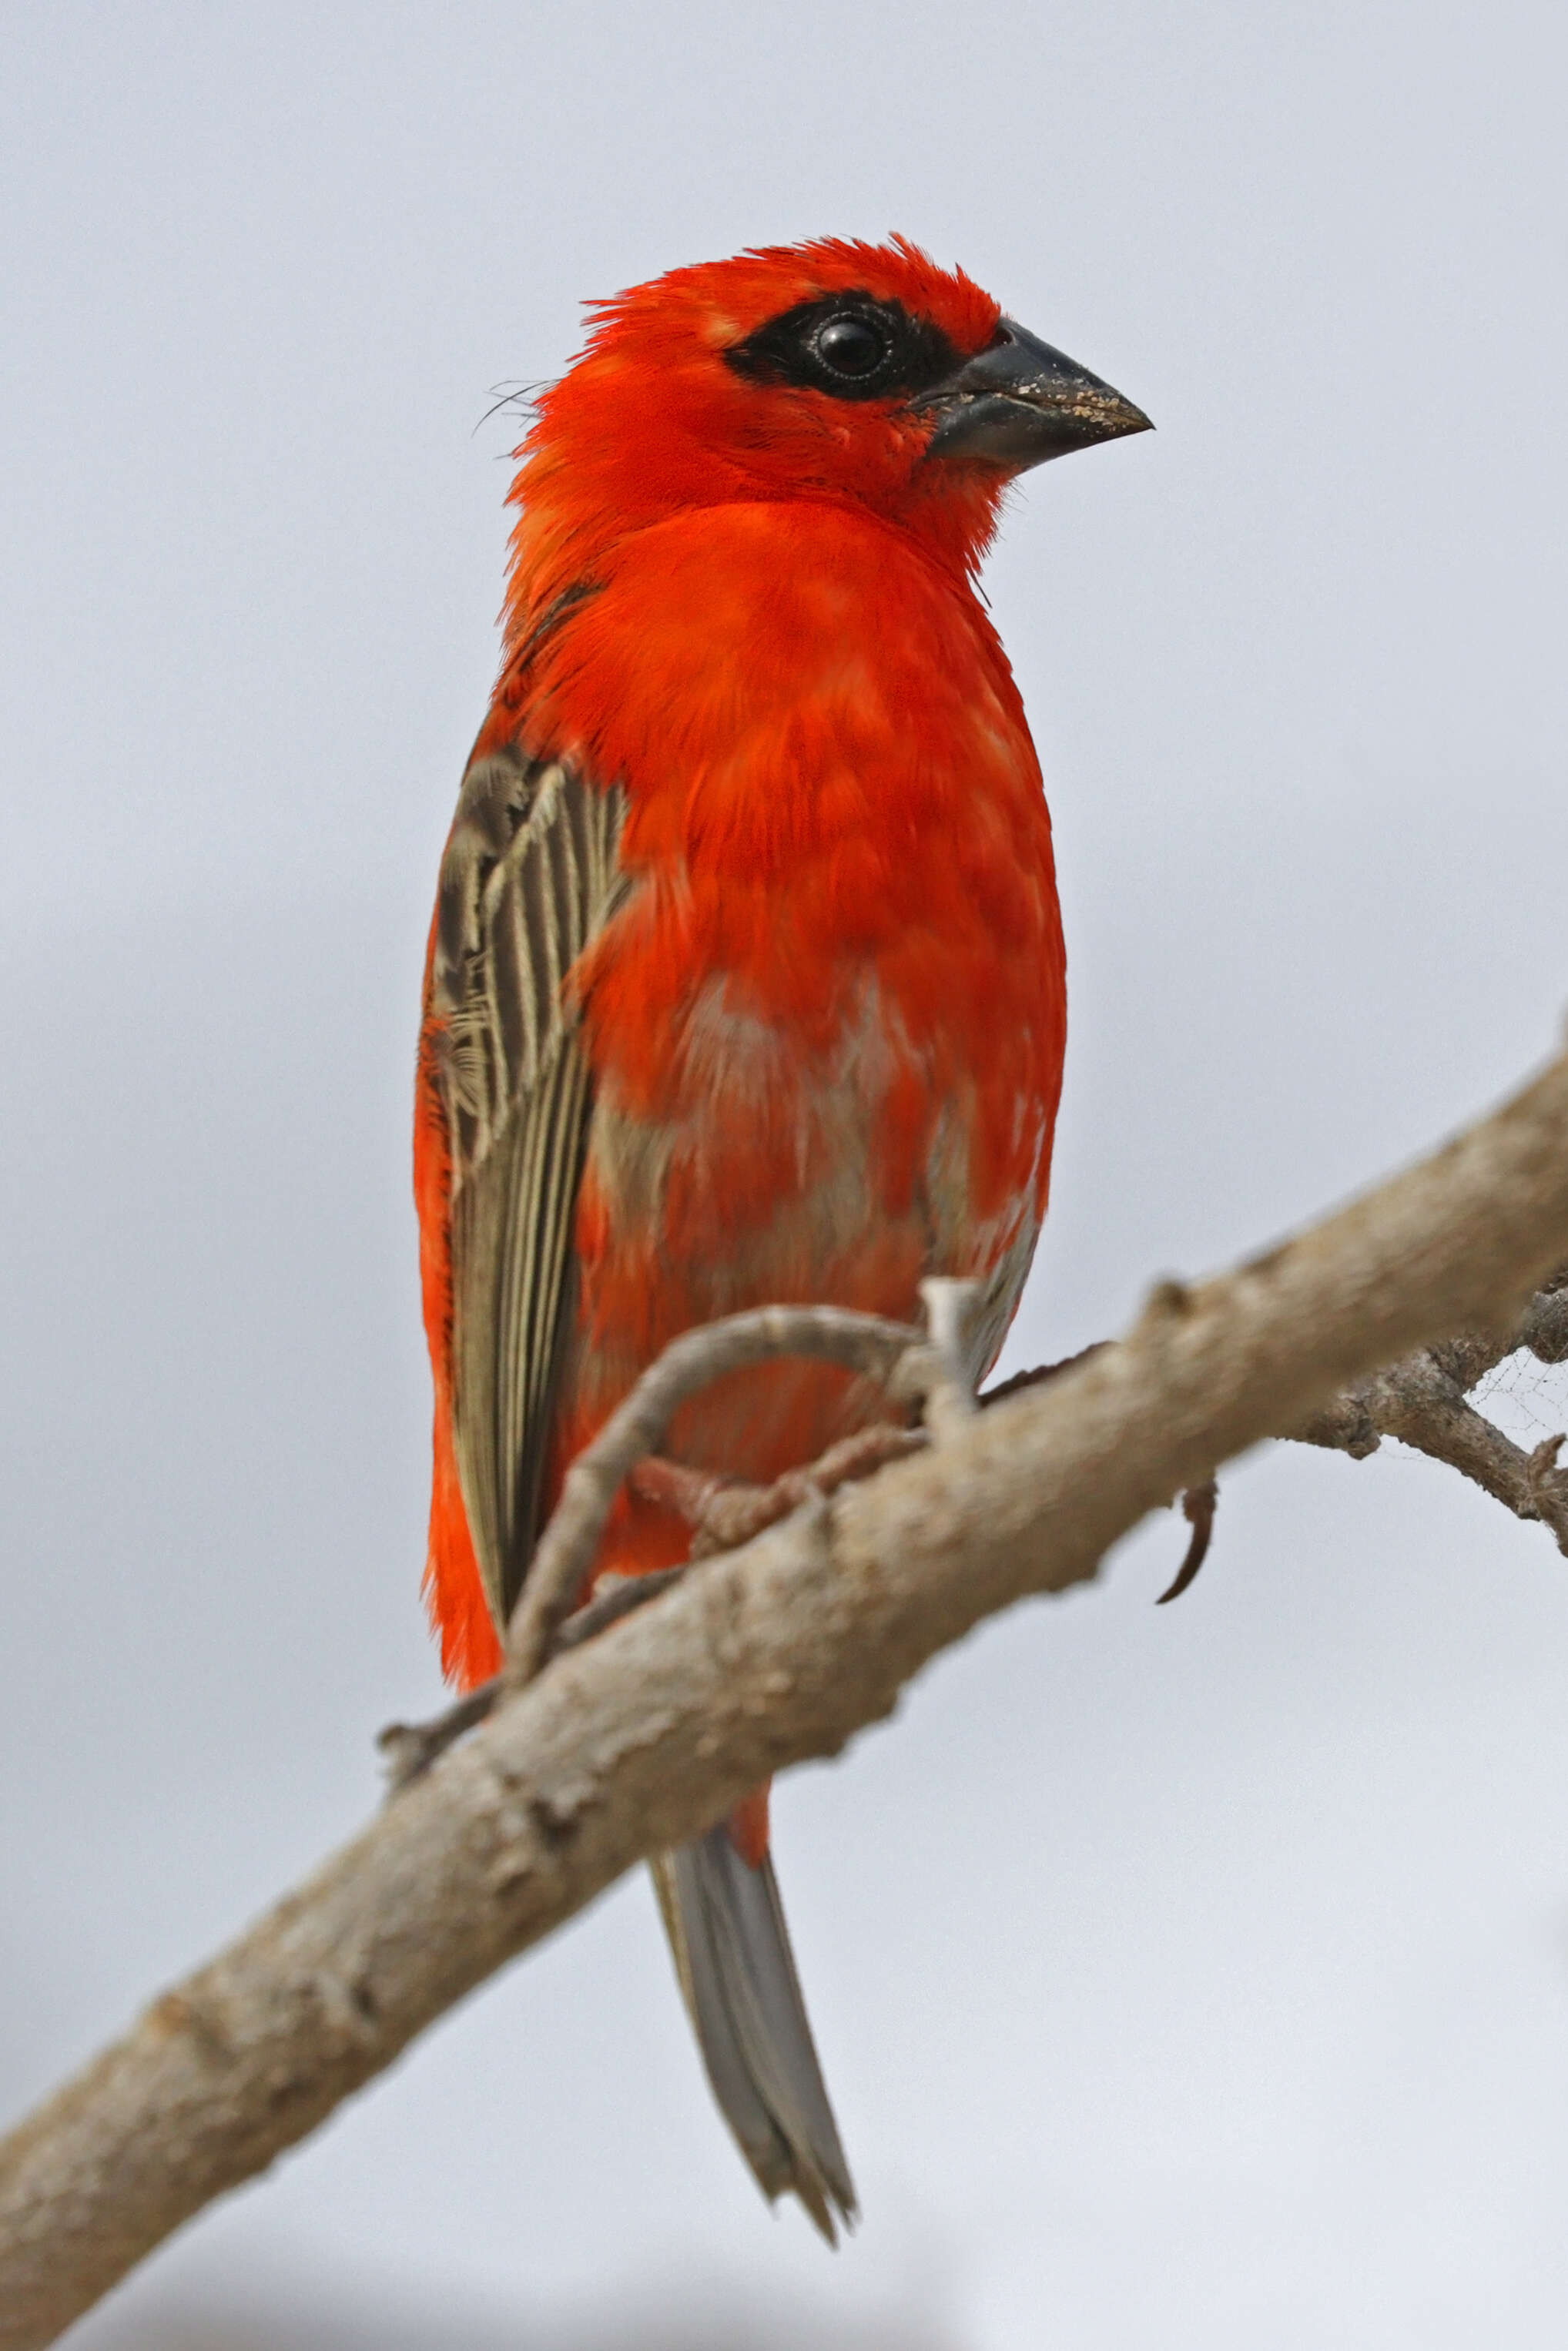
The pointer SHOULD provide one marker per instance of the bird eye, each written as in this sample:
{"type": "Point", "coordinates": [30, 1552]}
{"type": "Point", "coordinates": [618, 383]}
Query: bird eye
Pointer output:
{"type": "Point", "coordinates": [850, 346]}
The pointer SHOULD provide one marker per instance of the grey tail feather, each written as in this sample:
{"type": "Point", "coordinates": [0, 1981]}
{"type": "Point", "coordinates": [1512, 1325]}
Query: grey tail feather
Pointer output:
{"type": "Point", "coordinates": [725, 1925]}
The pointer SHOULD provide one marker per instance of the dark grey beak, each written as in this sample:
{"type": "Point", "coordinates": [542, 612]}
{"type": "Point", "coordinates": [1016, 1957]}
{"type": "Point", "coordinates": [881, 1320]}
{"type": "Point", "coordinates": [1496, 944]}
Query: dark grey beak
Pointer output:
{"type": "Point", "coordinates": [1020, 402]}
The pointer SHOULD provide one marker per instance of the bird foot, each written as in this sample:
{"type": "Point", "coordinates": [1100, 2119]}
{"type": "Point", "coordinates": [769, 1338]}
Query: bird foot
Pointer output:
{"type": "Point", "coordinates": [723, 1514]}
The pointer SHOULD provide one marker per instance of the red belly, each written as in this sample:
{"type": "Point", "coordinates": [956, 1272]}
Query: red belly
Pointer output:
{"type": "Point", "coordinates": [778, 1168]}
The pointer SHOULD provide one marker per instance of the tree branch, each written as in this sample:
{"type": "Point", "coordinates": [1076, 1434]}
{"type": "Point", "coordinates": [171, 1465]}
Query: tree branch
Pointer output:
{"type": "Point", "coordinates": [1423, 1401]}
{"type": "Point", "coordinates": [549, 1615]}
{"type": "Point", "coordinates": [752, 1661]}
{"type": "Point", "coordinates": [560, 1566]}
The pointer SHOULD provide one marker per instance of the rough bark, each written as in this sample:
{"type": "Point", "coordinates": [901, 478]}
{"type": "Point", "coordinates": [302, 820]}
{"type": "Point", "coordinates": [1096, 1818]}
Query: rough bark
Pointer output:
{"type": "Point", "coordinates": [753, 1660]}
{"type": "Point", "coordinates": [1423, 1400]}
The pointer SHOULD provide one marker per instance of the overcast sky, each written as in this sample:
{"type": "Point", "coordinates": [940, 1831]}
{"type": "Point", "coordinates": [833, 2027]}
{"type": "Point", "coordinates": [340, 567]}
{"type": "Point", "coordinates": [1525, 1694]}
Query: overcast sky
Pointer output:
{"type": "Point", "coordinates": [1196, 1978]}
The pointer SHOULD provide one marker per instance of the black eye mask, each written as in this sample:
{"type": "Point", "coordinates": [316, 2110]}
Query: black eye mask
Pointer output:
{"type": "Point", "coordinates": [850, 345]}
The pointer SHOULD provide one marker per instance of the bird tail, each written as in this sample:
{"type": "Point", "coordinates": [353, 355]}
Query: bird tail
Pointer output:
{"type": "Point", "coordinates": [725, 1926]}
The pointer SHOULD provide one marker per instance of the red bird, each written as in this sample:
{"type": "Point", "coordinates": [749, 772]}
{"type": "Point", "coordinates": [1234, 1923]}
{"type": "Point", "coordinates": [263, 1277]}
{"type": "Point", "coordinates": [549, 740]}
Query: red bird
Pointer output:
{"type": "Point", "coordinates": [746, 982]}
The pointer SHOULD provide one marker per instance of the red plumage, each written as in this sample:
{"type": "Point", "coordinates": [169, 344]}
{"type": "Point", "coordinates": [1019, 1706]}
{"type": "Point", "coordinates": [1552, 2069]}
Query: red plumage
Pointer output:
{"type": "Point", "coordinates": [821, 1002]}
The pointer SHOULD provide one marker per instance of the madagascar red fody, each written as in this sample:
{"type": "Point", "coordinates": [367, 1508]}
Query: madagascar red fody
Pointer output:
{"type": "Point", "coordinates": [747, 980]}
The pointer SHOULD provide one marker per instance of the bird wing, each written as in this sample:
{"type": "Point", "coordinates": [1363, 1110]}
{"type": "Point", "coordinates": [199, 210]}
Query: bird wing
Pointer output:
{"type": "Point", "coordinates": [529, 877]}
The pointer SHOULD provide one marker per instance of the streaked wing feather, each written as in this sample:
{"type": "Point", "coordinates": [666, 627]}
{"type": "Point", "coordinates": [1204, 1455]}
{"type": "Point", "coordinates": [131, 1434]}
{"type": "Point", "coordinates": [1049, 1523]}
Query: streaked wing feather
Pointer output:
{"type": "Point", "coordinates": [529, 877]}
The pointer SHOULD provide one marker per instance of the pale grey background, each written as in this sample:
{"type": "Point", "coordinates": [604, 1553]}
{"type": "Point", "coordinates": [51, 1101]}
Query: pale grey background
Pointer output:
{"type": "Point", "coordinates": [1196, 1978]}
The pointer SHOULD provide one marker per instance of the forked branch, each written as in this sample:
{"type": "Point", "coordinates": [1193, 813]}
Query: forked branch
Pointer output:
{"type": "Point", "coordinates": [1424, 1400]}
{"type": "Point", "coordinates": [636, 1741]}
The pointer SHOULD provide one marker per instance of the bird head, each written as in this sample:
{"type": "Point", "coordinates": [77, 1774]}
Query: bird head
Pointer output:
{"type": "Point", "coordinates": [832, 371]}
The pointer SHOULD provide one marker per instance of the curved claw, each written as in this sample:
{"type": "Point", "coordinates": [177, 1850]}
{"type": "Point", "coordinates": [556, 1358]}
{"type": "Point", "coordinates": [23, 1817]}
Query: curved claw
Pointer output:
{"type": "Point", "coordinates": [1197, 1507]}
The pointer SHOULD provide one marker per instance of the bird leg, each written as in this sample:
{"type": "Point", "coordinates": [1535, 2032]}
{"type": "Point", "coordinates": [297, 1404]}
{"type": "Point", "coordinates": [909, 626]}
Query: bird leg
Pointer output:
{"type": "Point", "coordinates": [724, 1513]}
{"type": "Point", "coordinates": [1421, 1399]}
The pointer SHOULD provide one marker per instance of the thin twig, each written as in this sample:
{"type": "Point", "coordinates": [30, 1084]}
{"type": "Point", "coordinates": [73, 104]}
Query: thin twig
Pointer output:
{"type": "Point", "coordinates": [614, 1596]}
{"type": "Point", "coordinates": [409, 1748]}
{"type": "Point", "coordinates": [550, 1616]}
{"type": "Point", "coordinates": [942, 1374]}
{"type": "Point", "coordinates": [866, 1344]}
{"type": "Point", "coordinates": [1037, 1378]}
{"type": "Point", "coordinates": [1423, 1400]}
